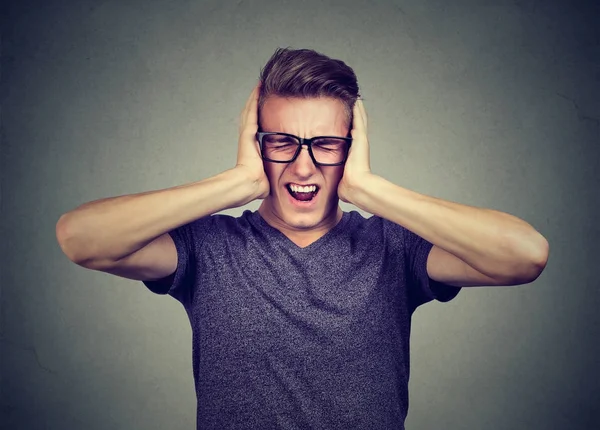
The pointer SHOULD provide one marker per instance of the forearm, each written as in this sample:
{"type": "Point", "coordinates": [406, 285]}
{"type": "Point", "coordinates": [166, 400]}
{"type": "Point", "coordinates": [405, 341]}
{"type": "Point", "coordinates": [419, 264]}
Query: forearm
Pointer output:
{"type": "Point", "coordinates": [491, 242]}
{"type": "Point", "coordinates": [113, 228]}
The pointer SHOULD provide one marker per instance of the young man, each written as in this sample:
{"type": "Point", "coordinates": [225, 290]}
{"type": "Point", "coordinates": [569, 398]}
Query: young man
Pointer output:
{"type": "Point", "coordinates": [301, 312]}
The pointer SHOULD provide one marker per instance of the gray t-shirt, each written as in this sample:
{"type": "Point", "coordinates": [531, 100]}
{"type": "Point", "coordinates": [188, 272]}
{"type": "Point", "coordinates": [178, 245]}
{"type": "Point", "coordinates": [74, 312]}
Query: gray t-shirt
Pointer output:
{"type": "Point", "coordinates": [300, 338]}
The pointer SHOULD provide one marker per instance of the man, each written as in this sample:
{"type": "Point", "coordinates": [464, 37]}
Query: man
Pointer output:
{"type": "Point", "coordinates": [301, 312]}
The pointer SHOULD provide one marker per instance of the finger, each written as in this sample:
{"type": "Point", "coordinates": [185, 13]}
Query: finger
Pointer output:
{"type": "Point", "coordinates": [252, 110]}
{"type": "Point", "coordinates": [359, 121]}
{"type": "Point", "coordinates": [249, 108]}
{"type": "Point", "coordinates": [252, 106]}
{"type": "Point", "coordinates": [363, 113]}
{"type": "Point", "coordinates": [253, 95]}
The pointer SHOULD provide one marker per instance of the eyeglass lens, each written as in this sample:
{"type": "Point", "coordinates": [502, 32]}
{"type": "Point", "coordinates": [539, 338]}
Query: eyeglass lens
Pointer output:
{"type": "Point", "coordinates": [327, 150]}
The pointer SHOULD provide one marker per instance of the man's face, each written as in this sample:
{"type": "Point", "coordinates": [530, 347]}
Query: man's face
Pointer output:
{"type": "Point", "coordinates": [304, 118]}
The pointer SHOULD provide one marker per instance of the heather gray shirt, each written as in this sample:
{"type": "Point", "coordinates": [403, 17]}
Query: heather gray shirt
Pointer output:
{"type": "Point", "coordinates": [300, 338]}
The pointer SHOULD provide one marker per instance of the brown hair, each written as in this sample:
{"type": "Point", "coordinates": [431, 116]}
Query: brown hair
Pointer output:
{"type": "Point", "coordinates": [305, 73]}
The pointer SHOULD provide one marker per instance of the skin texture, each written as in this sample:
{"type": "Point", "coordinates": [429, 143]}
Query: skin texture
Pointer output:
{"type": "Point", "coordinates": [128, 235]}
{"type": "Point", "coordinates": [304, 118]}
{"type": "Point", "coordinates": [471, 246]}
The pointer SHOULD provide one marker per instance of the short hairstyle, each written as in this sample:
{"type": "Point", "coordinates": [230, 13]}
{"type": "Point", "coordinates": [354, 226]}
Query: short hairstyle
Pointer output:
{"type": "Point", "coordinates": [304, 73]}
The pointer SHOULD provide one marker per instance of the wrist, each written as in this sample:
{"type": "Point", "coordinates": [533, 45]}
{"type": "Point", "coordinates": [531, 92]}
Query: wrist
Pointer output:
{"type": "Point", "coordinates": [359, 191]}
{"type": "Point", "coordinates": [255, 184]}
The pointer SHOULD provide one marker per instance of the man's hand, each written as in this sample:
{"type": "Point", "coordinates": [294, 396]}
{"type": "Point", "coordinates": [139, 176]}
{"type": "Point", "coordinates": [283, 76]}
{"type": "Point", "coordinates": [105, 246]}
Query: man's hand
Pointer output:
{"type": "Point", "coordinates": [357, 167]}
{"type": "Point", "coordinates": [472, 246]}
{"type": "Point", "coordinates": [248, 157]}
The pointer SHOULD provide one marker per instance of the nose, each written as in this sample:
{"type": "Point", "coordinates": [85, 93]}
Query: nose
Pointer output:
{"type": "Point", "coordinates": [303, 165]}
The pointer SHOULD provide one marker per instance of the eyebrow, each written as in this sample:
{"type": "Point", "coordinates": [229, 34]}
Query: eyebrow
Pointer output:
{"type": "Point", "coordinates": [317, 135]}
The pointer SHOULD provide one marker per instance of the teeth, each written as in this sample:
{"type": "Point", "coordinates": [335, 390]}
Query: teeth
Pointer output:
{"type": "Point", "coordinates": [299, 189]}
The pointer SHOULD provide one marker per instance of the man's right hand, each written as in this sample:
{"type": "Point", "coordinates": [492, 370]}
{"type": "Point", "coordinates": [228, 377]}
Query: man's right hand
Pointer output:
{"type": "Point", "coordinates": [128, 235]}
{"type": "Point", "coordinates": [248, 158]}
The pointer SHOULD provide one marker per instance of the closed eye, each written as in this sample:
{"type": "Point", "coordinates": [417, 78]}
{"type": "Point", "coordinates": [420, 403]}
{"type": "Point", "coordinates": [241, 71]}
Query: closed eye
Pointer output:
{"type": "Point", "coordinates": [279, 140]}
{"type": "Point", "coordinates": [329, 144]}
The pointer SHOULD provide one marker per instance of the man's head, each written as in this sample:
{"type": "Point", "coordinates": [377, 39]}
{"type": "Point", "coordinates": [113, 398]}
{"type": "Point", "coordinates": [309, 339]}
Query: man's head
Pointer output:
{"type": "Point", "coordinates": [303, 74]}
{"type": "Point", "coordinates": [306, 94]}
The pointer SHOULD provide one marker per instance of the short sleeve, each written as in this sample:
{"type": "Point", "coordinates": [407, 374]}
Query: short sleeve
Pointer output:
{"type": "Point", "coordinates": [422, 288]}
{"type": "Point", "coordinates": [187, 239]}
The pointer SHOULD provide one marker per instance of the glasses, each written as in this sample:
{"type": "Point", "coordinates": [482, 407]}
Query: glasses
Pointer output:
{"type": "Point", "coordinates": [284, 148]}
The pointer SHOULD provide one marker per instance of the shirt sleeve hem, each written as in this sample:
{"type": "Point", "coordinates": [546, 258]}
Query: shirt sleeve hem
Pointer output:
{"type": "Point", "coordinates": [438, 290]}
{"type": "Point", "coordinates": [168, 284]}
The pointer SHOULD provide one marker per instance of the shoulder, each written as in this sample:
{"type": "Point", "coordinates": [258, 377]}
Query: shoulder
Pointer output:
{"type": "Point", "coordinates": [210, 229]}
{"type": "Point", "coordinates": [375, 230]}
{"type": "Point", "coordinates": [221, 222]}
{"type": "Point", "coordinates": [375, 225]}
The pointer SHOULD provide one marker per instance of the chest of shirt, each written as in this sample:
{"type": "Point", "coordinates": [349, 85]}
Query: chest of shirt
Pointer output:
{"type": "Point", "coordinates": [254, 299]}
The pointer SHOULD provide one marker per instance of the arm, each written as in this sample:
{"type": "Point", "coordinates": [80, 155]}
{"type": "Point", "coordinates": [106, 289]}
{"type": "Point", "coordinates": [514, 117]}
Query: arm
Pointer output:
{"type": "Point", "coordinates": [127, 235]}
{"type": "Point", "coordinates": [472, 246]}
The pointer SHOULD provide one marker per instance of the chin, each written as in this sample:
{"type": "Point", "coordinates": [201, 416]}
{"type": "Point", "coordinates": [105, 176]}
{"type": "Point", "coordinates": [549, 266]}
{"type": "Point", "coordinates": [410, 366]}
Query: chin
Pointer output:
{"type": "Point", "coordinates": [282, 208]}
{"type": "Point", "coordinates": [306, 220]}
{"type": "Point", "coordinates": [301, 219]}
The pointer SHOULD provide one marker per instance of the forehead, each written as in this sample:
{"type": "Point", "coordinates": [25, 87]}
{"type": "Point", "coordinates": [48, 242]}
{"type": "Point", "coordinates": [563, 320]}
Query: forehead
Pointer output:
{"type": "Point", "coordinates": [304, 116]}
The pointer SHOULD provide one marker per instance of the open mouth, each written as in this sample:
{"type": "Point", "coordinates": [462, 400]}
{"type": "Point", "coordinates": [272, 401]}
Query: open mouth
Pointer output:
{"type": "Point", "coordinates": [302, 193]}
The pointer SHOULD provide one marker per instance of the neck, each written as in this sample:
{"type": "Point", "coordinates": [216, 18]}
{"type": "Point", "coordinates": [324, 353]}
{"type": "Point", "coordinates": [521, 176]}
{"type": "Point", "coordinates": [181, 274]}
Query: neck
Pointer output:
{"type": "Point", "coordinates": [300, 236]}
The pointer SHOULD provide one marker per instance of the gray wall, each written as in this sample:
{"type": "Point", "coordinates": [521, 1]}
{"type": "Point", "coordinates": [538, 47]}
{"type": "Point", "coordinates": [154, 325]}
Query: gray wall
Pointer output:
{"type": "Point", "coordinates": [492, 104]}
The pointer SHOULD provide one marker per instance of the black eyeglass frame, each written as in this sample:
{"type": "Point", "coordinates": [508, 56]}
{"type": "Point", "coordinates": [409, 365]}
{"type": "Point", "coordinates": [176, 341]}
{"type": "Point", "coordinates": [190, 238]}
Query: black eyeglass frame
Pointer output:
{"type": "Point", "coordinates": [303, 141]}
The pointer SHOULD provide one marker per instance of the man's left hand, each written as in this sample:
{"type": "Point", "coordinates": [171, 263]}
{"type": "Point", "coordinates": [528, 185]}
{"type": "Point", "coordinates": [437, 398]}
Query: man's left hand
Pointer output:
{"type": "Point", "coordinates": [357, 167]}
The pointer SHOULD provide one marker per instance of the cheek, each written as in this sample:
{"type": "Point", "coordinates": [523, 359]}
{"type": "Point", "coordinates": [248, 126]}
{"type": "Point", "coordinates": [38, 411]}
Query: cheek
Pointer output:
{"type": "Point", "coordinates": [273, 172]}
{"type": "Point", "coordinates": [334, 176]}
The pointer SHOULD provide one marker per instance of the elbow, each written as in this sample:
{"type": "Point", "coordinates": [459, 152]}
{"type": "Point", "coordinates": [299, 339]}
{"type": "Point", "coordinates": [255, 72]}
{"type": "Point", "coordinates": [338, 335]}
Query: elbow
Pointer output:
{"type": "Point", "coordinates": [525, 260]}
{"type": "Point", "coordinates": [534, 260]}
{"type": "Point", "coordinates": [79, 248]}
{"type": "Point", "coordinates": [66, 240]}
{"type": "Point", "coordinates": [543, 252]}
{"type": "Point", "coordinates": [62, 236]}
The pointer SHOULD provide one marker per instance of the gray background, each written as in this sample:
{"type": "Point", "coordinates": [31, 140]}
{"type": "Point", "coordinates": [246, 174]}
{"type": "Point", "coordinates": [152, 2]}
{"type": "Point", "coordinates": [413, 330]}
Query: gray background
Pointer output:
{"type": "Point", "coordinates": [492, 104]}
